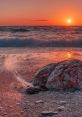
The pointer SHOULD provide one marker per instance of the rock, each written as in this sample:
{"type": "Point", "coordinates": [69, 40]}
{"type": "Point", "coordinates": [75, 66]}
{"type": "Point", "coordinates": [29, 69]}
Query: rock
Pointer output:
{"type": "Point", "coordinates": [41, 77]}
{"type": "Point", "coordinates": [62, 102]}
{"type": "Point", "coordinates": [48, 113]}
{"type": "Point", "coordinates": [64, 75]}
{"type": "Point", "coordinates": [21, 112]}
{"type": "Point", "coordinates": [32, 90]}
{"type": "Point", "coordinates": [39, 101]}
{"type": "Point", "coordinates": [61, 108]}
{"type": "Point", "coordinates": [27, 101]}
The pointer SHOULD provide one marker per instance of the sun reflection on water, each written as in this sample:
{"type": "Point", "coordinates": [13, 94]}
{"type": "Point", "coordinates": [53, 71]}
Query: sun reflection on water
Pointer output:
{"type": "Point", "coordinates": [69, 55]}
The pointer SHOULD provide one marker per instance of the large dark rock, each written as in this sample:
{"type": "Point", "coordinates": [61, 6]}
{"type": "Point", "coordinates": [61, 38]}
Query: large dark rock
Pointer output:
{"type": "Point", "coordinates": [41, 77]}
{"type": "Point", "coordinates": [66, 75]}
{"type": "Point", "coordinates": [60, 76]}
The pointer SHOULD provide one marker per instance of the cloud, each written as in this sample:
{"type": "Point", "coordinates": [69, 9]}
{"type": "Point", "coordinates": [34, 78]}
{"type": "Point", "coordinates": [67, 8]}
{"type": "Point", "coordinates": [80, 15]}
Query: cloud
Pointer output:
{"type": "Point", "coordinates": [40, 20]}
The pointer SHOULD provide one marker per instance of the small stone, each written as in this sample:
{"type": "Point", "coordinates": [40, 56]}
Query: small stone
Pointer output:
{"type": "Point", "coordinates": [55, 113]}
{"type": "Point", "coordinates": [48, 113]}
{"type": "Point", "coordinates": [39, 101]}
{"type": "Point", "coordinates": [62, 102]}
{"type": "Point", "coordinates": [27, 101]}
{"type": "Point", "coordinates": [31, 104]}
{"type": "Point", "coordinates": [61, 108]}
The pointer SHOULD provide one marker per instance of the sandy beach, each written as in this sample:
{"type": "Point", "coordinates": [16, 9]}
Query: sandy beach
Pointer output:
{"type": "Point", "coordinates": [14, 102]}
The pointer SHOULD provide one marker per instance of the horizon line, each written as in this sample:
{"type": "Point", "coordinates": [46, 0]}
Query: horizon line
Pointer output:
{"type": "Point", "coordinates": [41, 25]}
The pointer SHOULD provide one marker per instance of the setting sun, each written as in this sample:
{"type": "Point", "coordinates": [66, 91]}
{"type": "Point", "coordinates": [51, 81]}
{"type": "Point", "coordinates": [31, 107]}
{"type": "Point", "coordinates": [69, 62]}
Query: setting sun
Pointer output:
{"type": "Point", "coordinates": [69, 21]}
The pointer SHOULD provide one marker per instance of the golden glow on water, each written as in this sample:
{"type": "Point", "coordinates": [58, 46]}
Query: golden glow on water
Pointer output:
{"type": "Point", "coordinates": [69, 55]}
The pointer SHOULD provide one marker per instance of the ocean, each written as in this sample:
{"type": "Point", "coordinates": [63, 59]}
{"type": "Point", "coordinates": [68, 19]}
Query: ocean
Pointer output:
{"type": "Point", "coordinates": [40, 36]}
{"type": "Point", "coordinates": [27, 49]}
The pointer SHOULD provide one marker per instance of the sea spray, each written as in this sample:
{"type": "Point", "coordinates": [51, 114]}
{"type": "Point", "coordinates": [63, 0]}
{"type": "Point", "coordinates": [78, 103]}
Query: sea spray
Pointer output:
{"type": "Point", "coordinates": [10, 64]}
{"type": "Point", "coordinates": [24, 83]}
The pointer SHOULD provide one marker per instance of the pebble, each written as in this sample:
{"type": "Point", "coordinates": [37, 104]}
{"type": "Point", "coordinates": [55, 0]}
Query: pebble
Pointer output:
{"type": "Point", "coordinates": [48, 113]}
{"type": "Point", "coordinates": [27, 101]}
{"type": "Point", "coordinates": [61, 108]}
{"type": "Point", "coordinates": [62, 102]}
{"type": "Point", "coordinates": [39, 101]}
{"type": "Point", "coordinates": [21, 112]}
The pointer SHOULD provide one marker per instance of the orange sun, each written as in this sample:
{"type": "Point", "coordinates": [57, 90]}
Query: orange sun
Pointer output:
{"type": "Point", "coordinates": [69, 21]}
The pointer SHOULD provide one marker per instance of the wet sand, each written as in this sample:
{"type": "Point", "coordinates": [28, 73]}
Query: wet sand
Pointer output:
{"type": "Point", "coordinates": [13, 100]}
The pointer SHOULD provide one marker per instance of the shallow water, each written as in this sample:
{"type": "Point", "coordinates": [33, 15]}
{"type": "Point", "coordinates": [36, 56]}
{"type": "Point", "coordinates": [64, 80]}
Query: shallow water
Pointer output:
{"type": "Point", "coordinates": [26, 61]}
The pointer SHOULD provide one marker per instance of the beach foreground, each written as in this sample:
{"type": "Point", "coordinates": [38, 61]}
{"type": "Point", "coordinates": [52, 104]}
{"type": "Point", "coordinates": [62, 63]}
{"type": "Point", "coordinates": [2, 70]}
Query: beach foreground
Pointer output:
{"type": "Point", "coordinates": [14, 102]}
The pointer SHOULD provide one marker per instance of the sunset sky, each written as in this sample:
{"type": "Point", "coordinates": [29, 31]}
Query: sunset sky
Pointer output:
{"type": "Point", "coordinates": [40, 12]}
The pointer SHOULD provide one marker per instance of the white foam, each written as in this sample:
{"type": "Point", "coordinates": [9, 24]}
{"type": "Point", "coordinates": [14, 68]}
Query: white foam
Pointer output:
{"type": "Point", "coordinates": [10, 64]}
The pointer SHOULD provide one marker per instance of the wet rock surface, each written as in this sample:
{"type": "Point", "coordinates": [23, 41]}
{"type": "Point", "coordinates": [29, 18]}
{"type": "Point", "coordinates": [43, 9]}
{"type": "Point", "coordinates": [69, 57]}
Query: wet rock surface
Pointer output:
{"type": "Point", "coordinates": [60, 76]}
{"type": "Point", "coordinates": [41, 77]}
{"type": "Point", "coordinates": [66, 75]}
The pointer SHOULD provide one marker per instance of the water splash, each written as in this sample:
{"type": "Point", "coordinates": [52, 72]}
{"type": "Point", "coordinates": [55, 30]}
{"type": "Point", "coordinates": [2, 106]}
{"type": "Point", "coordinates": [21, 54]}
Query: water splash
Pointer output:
{"type": "Point", "coordinates": [24, 83]}
{"type": "Point", "coordinates": [10, 64]}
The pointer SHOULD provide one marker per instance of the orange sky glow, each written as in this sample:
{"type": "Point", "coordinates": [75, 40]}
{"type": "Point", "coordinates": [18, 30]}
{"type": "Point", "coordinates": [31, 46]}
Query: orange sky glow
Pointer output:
{"type": "Point", "coordinates": [41, 12]}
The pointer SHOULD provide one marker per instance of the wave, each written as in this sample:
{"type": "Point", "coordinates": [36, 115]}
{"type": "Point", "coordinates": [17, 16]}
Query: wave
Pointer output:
{"type": "Point", "coordinates": [40, 28]}
{"type": "Point", "coordinates": [39, 43]}
{"type": "Point", "coordinates": [13, 29]}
